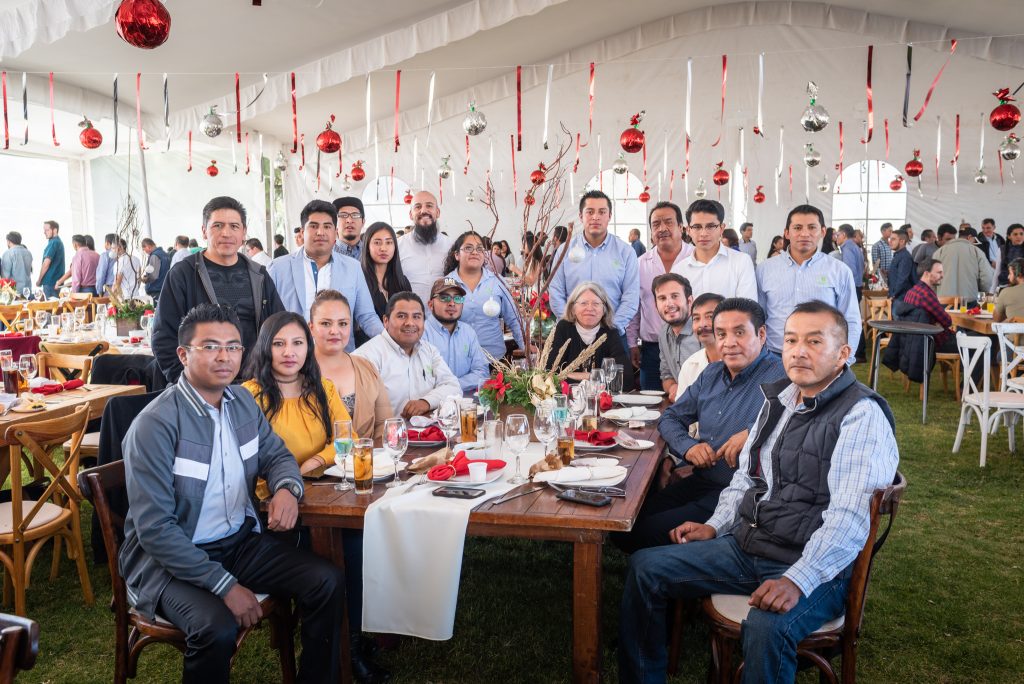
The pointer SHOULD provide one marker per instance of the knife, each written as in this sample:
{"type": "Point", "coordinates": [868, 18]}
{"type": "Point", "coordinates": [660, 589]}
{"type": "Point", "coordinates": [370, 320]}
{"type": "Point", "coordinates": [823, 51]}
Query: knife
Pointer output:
{"type": "Point", "coordinates": [515, 496]}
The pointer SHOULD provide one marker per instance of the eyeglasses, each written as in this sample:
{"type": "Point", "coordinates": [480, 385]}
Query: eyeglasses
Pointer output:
{"type": "Point", "coordinates": [345, 215]}
{"type": "Point", "coordinates": [709, 228]}
{"type": "Point", "coordinates": [469, 249]}
{"type": "Point", "coordinates": [448, 299]}
{"type": "Point", "coordinates": [216, 348]}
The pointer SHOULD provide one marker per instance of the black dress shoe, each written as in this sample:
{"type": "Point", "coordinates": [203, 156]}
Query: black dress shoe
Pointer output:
{"type": "Point", "coordinates": [364, 669]}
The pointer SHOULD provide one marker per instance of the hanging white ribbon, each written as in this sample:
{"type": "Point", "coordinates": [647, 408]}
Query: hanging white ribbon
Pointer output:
{"type": "Point", "coordinates": [664, 161]}
{"type": "Point", "coordinates": [689, 96]}
{"type": "Point", "coordinates": [415, 156]}
{"type": "Point", "coordinates": [807, 183]}
{"type": "Point", "coordinates": [760, 92]}
{"type": "Point", "coordinates": [261, 158]}
{"type": "Point", "coordinates": [686, 186]}
{"type": "Point", "coordinates": [572, 189]}
{"type": "Point", "coordinates": [430, 108]}
{"type": "Point", "coordinates": [234, 161]}
{"type": "Point", "coordinates": [490, 161]}
{"type": "Point", "coordinates": [938, 149]}
{"type": "Point", "coordinates": [369, 113]}
{"type": "Point", "coordinates": [376, 155]}
{"type": "Point", "coordinates": [167, 114]}
{"type": "Point", "coordinates": [743, 148]}
{"type": "Point", "coordinates": [600, 157]}
{"type": "Point", "coordinates": [547, 103]}
{"type": "Point", "coordinates": [659, 186]}
{"type": "Point", "coordinates": [981, 144]}
{"type": "Point", "coordinates": [778, 169]}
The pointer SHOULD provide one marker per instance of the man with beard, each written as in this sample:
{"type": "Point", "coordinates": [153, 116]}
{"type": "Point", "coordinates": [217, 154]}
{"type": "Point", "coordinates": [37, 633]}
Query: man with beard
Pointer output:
{"type": "Point", "coordinates": [457, 342]}
{"type": "Point", "coordinates": [676, 341]}
{"type": "Point", "coordinates": [350, 226]}
{"type": "Point", "coordinates": [666, 222]}
{"type": "Point", "coordinates": [702, 315]}
{"type": "Point", "coordinates": [423, 250]}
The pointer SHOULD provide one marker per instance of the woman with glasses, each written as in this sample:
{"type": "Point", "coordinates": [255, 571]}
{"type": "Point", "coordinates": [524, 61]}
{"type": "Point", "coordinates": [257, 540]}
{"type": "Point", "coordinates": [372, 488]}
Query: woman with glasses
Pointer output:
{"type": "Point", "coordinates": [465, 263]}
{"type": "Point", "coordinates": [382, 269]}
{"type": "Point", "coordinates": [355, 379]}
{"type": "Point", "coordinates": [588, 315]}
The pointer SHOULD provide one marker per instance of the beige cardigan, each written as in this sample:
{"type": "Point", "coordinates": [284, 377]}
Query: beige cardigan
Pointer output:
{"type": "Point", "coordinates": [372, 404]}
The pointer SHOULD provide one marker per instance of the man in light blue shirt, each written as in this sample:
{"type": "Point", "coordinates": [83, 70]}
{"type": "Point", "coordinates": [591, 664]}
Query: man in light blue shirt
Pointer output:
{"type": "Point", "coordinates": [105, 269]}
{"type": "Point", "coordinates": [456, 341]}
{"type": "Point", "coordinates": [597, 256]}
{"type": "Point", "coordinates": [850, 254]}
{"type": "Point", "coordinates": [17, 262]}
{"type": "Point", "coordinates": [801, 274]}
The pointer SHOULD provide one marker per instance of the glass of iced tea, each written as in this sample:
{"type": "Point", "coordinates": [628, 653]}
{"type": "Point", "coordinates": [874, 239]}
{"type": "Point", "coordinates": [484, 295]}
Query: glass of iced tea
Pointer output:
{"type": "Point", "coordinates": [567, 442]}
{"type": "Point", "coordinates": [467, 420]}
{"type": "Point", "coordinates": [362, 465]}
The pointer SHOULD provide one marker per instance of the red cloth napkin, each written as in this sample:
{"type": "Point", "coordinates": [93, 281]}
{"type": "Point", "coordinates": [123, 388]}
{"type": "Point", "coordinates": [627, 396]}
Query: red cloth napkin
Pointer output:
{"type": "Point", "coordinates": [54, 389]}
{"type": "Point", "coordinates": [605, 401]}
{"type": "Point", "coordinates": [596, 437]}
{"type": "Point", "coordinates": [459, 466]}
{"type": "Point", "coordinates": [430, 434]}
{"type": "Point", "coordinates": [12, 334]}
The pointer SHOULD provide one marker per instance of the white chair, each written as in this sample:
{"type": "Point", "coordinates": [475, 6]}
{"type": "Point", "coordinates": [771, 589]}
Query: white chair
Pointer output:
{"type": "Point", "coordinates": [1011, 355]}
{"type": "Point", "coordinates": [974, 350]}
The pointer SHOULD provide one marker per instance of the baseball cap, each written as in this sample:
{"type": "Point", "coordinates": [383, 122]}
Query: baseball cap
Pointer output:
{"type": "Point", "coordinates": [442, 284]}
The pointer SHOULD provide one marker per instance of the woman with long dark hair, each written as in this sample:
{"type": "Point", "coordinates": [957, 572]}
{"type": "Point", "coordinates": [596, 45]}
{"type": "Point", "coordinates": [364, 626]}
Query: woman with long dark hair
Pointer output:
{"type": "Point", "coordinates": [465, 263]}
{"type": "Point", "coordinates": [286, 383]}
{"type": "Point", "coordinates": [382, 269]}
{"type": "Point", "coordinates": [1012, 249]}
{"type": "Point", "coordinates": [778, 246]}
{"type": "Point", "coordinates": [731, 239]}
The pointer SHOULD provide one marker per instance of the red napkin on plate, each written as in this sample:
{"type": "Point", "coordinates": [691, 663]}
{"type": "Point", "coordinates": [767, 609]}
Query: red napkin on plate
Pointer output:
{"type": "Point", "coordinates": [54, 389]}
{"type": "Point", "coordinates": [605, 401]}
{"type": "Point", "coordinates": [459, 466]}
{"type": "Point", "coordinates": [596, 437]}
{"type": "Point", "coordinates": [430, 434]}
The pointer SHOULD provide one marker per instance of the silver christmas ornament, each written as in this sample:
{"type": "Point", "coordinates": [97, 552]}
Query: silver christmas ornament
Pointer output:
{"type": "Point", "coordinates": [212, 124]}
{"type": "Point", "coordinates": [346, 186]}
{"type": "Point", "coordinates": [475, 121]}
{"type": "Point", "coordinates": [811, 156]}
{"type": "Point", "coordinates": [470, 198]}
{"type": "Point", "coordinates": [620, 166]}
{"type": "Point", "coordinates": [1009, 149]}
{"type": "Point", "coordinates": [701, 192]}
{"type": "Point", "coordinates": [823, 186]}
{"type": "Point", "coordinates": [576, 254]}
{"type": "Point", "coordinates": [815, 117]}
{"type": "Point", "coordinates": [491, 307]}
{"type": "Point", "coordinates": [280, 163]}
{"type": "Point", "coordinates": [981, 177]}
{"type": "Point", "coordinates": [444, 171]}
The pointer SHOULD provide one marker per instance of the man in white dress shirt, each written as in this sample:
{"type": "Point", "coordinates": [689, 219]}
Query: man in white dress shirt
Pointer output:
{"type": "Point", "coordinates": [423, 250]}
{"type": "Point", "coordinates": [713, 267]}
{"type": "Point", "coordinates": [254, 248]}
{"type": "Point", "coordinates": [412, 369]}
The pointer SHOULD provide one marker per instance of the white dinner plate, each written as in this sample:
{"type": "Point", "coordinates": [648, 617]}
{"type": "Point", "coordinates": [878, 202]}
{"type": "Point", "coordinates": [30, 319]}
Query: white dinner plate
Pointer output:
{"type": "Point", "coordinates": [629, 413]}
{"type": "Point", "coordinates": [653, 393]}
{"type": "Point", "coordinates": [619, 476]}
{"type": "Point", "coordinates": [636, 399]}
{"type": "Point", "coordinates": [464, 481]}
{"type": "Point", "coordinates": [417, 444]}
{"type": "Point", "coordinates": [587, 446]}
{"type": "Point", "coordinates": [641, 445]}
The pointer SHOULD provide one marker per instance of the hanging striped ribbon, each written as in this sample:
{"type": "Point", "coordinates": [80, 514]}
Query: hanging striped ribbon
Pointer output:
{"type": "Point", "coordinates": [906, 89]}
{"type": "Point", "coordinates": [53, 123]}
{"type": "Point", "coordinates": [295, 119]}
{"type": "Point", "coordinates": [935, 82]}
{"type": "Point", "coordinates": [981, 144]}
{"type": "Point", "coordinates": [24, 101]}
{"type": "Point", "coordinates": [871, 99]}
{"type": "Point", "coordinates": [590, 118]}
{"type": "Point", "coordinates": [759, 130]}
{"type": "Point", "coordinates": [465, 169]}
{"type": "Point", "coordinates": [839, 166]}
{"type": "Point", "coordinates": [886, 126]}
{"type": "Point", "coordinates": [515, 179]}
{"type": "Point", "coordinates": [247, 166]}
{"type": "Point", "coordinates": [189, 151]}
{"type": "Point", "coordinates": [519, 108]}
{"type": "Point", "coordinates": [722, 116]}
{"type": "Point", "coordinates": [238, 110]}
{"type": "Point", "coordinates": [398, 94]}
{"type": "Point", "coordinates": [547, 102]}
{"type": "Point", "coordinates": [302, 151]}
{"type": "Point", "coordinates": [956, 156]}
{"type": "Point", "coordinates": [576, 164]}
{"type": "Point", "coordinates": [7, 134]}
{"type": "Point", "coordinates": [938, 150]}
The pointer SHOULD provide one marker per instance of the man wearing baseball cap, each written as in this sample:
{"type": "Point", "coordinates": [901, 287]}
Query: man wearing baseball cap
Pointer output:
{"type": "Point", "coordinates": [350, 226]}
{"type": "Point", "coordinates": [456, 341]}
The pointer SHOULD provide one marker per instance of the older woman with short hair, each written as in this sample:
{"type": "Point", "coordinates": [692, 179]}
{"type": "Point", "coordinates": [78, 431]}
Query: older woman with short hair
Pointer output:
{"type": "Point", "coordinates": [588, 315]}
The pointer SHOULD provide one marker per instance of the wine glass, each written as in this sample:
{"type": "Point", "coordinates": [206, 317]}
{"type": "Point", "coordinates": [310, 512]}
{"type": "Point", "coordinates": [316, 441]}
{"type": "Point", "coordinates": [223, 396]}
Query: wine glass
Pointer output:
{"type": "Point", "coordinates": [517, 437]}
{"type": "Point", "coordinates": [40, 294]}
{"type": "Point", "coordinates": [27, 367]}
{"type": "Point", "coordinates": [578, 403]}
{"type": "Point", "coordinates": [42, 319]}
{"type": "Point", "coordinates": [80, 314]}
{"type": "Point", "coordinates": [545, 426]}
{"type": "Point", "coordinates": [615, 383]}
{"type": "Point", "coordinates": [448, 415]}
{"type": "Point", "coordinates": [396, 441]}
{"type": "Point", "coordinates": [27, 293]}
{"type": "Point", "coordinates": [28, 324]}
{"type": "Point", "coordinates": [146, 323]}
{"type": "Point", "coordinates": [342, 448]}
{"type": "Point", "coordinates": [608, 370]}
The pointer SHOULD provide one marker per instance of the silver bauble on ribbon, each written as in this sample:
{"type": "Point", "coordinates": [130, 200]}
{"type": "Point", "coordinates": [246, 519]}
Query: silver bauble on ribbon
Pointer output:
{"type": "Point", "coordinates": [701, 192]}
{"type": "Point", "coordinates": [280, 163]}
{"type": "Point", "coordinates": [981, 177]}
{"type": "Point", "coordinates": [470, 198]}
{"type": "Point", "coordinates": [1009, 149]}
{"type": "Point", "coordinates": [576, 254]}
{"type": "Point", "coordinates": [823, 186]}
{"type": "Point", "coordinates": [815, 117]}
{"type": "Point", "coordinates": [212, 124]}
{"type": "Point", "coordinates": [811, 156]}
{"type": "Point", "coordinates": [620, 166]}
{"type": "Point", "coordinates": [346, 186]}
{"type": "Point", "coordinates": [475, 121]}
{"type": "Point", "coordinates": [444, 172]}
{"type": "Point", "coordinates": [491, 307]}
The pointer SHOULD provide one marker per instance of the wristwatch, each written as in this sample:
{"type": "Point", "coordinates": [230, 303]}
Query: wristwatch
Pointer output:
{"type": "Point", "coordinates": [295, 488]}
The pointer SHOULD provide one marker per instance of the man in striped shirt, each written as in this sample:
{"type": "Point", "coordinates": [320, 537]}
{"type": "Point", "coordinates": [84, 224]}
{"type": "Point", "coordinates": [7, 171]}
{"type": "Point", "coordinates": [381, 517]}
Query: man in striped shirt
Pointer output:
{"type": "Point", "coordinates": [790, 524]}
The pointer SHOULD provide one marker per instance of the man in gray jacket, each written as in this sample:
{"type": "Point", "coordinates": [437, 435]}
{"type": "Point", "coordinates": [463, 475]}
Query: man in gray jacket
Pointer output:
{"type": "Point", "coordinates": [193, 550]}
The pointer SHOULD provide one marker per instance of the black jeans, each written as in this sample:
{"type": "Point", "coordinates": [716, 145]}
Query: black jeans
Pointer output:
{"type": "Point", "coordinates": [262, 564]}
{"type": "Point", "coordinates": [692, 499]}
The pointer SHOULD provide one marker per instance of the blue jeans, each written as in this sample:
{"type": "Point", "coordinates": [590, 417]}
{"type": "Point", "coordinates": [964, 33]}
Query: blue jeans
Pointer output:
{"type": "Point", "coordinates": [49, 289]}
{"type": "Point", "coordinates": [698, 569]}
{"type": "Point", "coordinates": [650, 366]}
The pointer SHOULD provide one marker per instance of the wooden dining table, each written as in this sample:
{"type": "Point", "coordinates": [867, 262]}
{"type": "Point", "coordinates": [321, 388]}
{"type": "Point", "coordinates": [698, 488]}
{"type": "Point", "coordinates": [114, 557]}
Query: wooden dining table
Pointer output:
{"type": "Point", "coordinates": [979, 324]}
{"type": "Point", "coordinates": [65, 403]}
{"type": "Point", "coordinates": [539, 516]}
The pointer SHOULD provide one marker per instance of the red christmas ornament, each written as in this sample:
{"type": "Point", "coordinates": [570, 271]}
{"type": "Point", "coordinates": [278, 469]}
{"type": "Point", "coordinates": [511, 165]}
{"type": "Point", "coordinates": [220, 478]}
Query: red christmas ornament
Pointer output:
{"type": "Point", "coordinates": [632, 139]}
{"type": "Point", "coordinates": [645, 196]}
{"type": "Point", "coordinates": [914, 167]}
{"type": "Point", "coordinates": [529, 200]}
{"type": "Point", "coordinates": [143, 23]}
{"type": "Point", "coordinates": [721, 176]}
{"type": "Point", "coordinates": [759, 195]}
{"type": "Point", "coordinates": [212, 169]}
{"type": "Point", "coordinates": [357, 171]}
{"type": "Point", "coordinates": [1006, 116]}
{"type": "Point", "coordinates": [328, 141]}
{"type": "Point", "coordinates": [408, 197]}
{"type": "Point", "coordinates": [90, 137]}
{"type": "Point", "coordinates": [538, 177]}
{"type": "Point", "coordinates": [897, 184]}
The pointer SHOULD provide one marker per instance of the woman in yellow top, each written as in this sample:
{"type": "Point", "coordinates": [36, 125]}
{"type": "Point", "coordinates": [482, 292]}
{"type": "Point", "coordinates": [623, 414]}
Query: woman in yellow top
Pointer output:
{"type": "Point", "coordinates": [299, 404]}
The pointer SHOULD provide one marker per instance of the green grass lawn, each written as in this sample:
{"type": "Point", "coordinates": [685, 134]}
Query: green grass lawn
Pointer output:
{"type": "Point", "coordinates": [946, 603]}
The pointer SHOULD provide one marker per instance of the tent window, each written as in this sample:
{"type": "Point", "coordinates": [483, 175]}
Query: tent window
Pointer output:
{"type": "Point", "coordinates": [627, 211]}
{"type": "Point", "coordinates": [36, 189]}
{"type": "Point", "coordinates": [864, 199]}
{"type": "Point", "coordinates": [384, 200]}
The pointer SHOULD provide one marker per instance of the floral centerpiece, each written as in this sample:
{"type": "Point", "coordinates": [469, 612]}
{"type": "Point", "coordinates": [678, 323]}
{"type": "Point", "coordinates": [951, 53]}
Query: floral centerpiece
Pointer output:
{"type": "Point", "coordinates": [127, 313]}
{"type": "Point", "coordinates": [8, 293]}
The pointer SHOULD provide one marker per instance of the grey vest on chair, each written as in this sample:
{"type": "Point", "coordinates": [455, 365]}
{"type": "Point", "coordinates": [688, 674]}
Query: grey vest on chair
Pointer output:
{"type": "Point", "coordinates": [778, 526]}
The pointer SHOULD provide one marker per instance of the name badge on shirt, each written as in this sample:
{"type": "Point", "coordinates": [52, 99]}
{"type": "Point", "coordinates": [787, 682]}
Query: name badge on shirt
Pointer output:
{"type": "Point", "coordinates": [822, 281]}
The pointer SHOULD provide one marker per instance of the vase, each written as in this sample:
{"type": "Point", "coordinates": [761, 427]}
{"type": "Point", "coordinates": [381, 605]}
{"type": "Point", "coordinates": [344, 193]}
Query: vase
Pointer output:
{"type": "Point", "coordinates": [126, 325]}
{"type": "Point", "coordinates": [506, 410]}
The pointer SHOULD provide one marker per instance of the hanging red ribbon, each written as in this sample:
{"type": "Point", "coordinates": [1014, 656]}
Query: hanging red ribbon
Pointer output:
{"type": "Point", "coordinates": [722, 122]}
{"type": "Point", "coordinates": [7, 134]}
{"type": "Point", "coordinates": [295, 120]}
{"type": "Point", "coordinates": [871, 99]}
{"type": "Point", "coordinates": [515, 179]}
{"type": "Point", "coordinates": [1000, 158]}
{"type": "Point", "coordinates": [440, 191]}
{"type": "Point", "coordinates": [935, 82]}
{"type": "Point", "coordinates": [839, 166]}
{"type": "Point", "coordinates": [302, 150]}
{"type": "Point", "coordinates": [391, 185]}
{"type": "Point", "coordinates": [53, 125]}
{"type": "Point", "coordinates": [671, 182]}
{"type": "Point", "coordinates": [341, 166]}
{"type": "Point", "coordinates": [465, 169]}
{"type": "Point", "coordinates": [590, 121]}
{"type": "Point", "coordinates": [238, 111]}
{"type": "Point", "coordinates": [576, 164]}
{"type": "Point", "coordinates": [887, 140]}
{"type": "Point", "coordinates": [956, 152]}
{"type": "Point", "coordinates": [645, 160]}
{"type": "Point", "coordinates": [190, 151]}
{"type": "Point", "coordinates": [519, 108]}
{"type": "Point", "coordinates": [247, 167]}
{"type": "Point", "coordinates": [686, 172]}
{"type": "Point", "coordinates": [790, 181]}
{"type": "Point", "coordinates": [318, 169]}
{"type": "Point", "coordinates": [138, 109]}
{"type": "Point", "coordinates": [398, 92]}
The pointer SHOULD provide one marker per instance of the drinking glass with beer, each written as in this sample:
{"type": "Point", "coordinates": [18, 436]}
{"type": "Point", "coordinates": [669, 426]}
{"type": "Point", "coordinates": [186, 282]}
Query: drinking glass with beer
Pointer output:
{"type": "Point", "coordinates": [467, 420]}
{"type": "Point", "coordinates": [362, 465]}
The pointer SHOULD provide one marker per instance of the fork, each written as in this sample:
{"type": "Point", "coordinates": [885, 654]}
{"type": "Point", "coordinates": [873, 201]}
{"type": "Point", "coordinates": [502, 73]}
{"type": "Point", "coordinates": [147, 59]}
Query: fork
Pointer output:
{"type": "Point", "coordinates": [414, 485]}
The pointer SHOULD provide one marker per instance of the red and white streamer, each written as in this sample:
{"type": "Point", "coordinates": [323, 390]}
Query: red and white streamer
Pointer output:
{"type": "Point", "coordinates": [53, 124]}
{"type": "Point", "coordinates": [886, 126]}
{"type": "Point", "coordinates": [519, 108]}
{"type": "Point", "coordinates": [956, 156]}
{"type": "Point", "coordinates": [760, 95]}
{"type": "Point", "coordinates": [590, 117]}
{"type": "Point", "coordinates": [725, 73]}
{"type": "Point", "coordinates": [871, 99]}
{"type": "Point", "coordinates": [547, 102]}
{"type": "Point", "coordinates": [238, 110]}
{"type": "Point", "coordinates": [938, 150]}
{"type": "Point", "coordinates": [839, 166]}
{"type": "Point", "coordinates": [189, 151]}
{"type": "Point", "coordinates": [295, 119]}
{"type": "Point", "coordinates": [7, 132]}
{"type": "Point", "coordinates": [935, 81]}
{"type": "Point", "coordinates": [398, 94]}
{"type": "Point", "coordinates": [515, 178]}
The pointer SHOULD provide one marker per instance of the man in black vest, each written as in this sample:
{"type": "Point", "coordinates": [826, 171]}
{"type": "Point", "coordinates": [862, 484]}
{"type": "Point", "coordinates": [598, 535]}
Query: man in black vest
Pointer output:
{"type": "Point", "coordinates": [792, 520]}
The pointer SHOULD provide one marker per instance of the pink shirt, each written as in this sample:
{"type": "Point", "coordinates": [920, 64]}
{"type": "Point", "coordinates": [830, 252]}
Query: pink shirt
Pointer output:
{"type": "Point", "coordinates": [647, 323]}
{"type": "Point", "coordinates": [83, 268]}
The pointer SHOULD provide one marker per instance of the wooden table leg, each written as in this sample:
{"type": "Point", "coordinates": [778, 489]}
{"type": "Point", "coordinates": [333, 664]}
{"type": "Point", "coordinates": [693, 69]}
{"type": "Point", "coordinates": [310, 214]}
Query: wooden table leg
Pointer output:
{"type": "Point", "coordinates": [586, 612]}
{"type": "Point", "coordinates": [327, 543]}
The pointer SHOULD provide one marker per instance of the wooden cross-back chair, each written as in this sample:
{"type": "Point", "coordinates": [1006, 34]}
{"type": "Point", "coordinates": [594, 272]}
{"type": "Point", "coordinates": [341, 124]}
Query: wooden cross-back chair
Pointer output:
{"type": "Point", "coordinates": [80, 301]}
{"type": "Point", "coordinates": [11, 315]}
{"type": "Point", "coordinates": [25, 525]}
{"type": "Point", "coordinates": [63, 367]}
{"type": "Point", "coordinates": [878, 309]}
{"type": "Point", "coordinates": [949, 362]}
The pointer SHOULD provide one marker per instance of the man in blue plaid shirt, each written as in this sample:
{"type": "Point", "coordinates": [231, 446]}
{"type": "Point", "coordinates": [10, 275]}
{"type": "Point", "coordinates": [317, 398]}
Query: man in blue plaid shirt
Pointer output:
{"type": "Point", "coordinates": [790, 524]}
